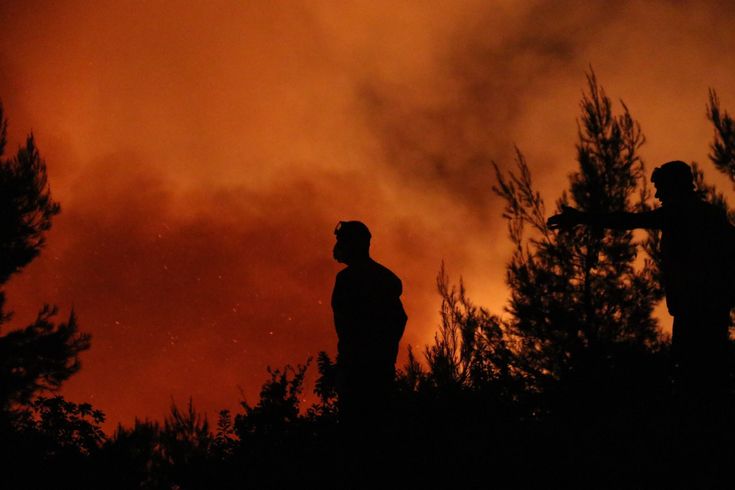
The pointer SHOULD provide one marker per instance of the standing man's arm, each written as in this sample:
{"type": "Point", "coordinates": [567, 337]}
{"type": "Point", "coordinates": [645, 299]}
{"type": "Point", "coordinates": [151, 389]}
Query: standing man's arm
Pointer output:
{"type": "Point", "coordinates": [570, 217]}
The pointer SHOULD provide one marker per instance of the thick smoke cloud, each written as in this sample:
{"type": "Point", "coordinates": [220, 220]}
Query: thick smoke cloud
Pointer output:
{"type": "Point", "coordinates": [203, 153]}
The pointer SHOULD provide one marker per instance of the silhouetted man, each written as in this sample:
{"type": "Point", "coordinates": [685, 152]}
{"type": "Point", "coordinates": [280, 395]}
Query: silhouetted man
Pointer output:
{"type": "Point", "coordinates": [696, 269]}
{"type": "Point", "coordinates": [370, 320]}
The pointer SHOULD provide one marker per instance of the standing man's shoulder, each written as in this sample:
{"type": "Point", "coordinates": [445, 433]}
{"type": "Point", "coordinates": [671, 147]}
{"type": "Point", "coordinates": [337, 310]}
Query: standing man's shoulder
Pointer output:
{"type": "Point", "coordinates": [389, 279]}
{"type": "Point", "coordinates": [344, 277]}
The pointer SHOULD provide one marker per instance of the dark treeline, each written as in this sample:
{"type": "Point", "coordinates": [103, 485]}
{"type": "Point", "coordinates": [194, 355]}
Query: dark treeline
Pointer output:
{"type": "Point", "coordinates": [572, 387]}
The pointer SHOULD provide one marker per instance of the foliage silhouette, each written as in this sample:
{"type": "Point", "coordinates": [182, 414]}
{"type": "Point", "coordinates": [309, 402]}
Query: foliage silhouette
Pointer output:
{"type": "Point", "coordinates": [325, 388]}
{"type": "Point", "coordinates": [39, 357]}
{"type": "Point", "coordinates": [63, 424]}
{"type": "Point", "coordinates": [42, 355]}
{"type": "Point", "coordinates": [470, 348]}
{"type": "Point", "coordinates": [34, 429]}
{"type": "Point", "coordinates": [26, 206]}
{"type": "Point", "coordinates": [578, 298]}
{"type": "Point", "coordinates": [722, 148]}
{"type": "Point", "coordinates": [50, 443]}
{"type": "Point", "coordinates": [179, 452]}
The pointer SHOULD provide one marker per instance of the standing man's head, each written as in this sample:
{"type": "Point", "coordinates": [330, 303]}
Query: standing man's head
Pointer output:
{"type": "Point", "coordinates": [353, 242]}
{"type": "Point", "coordinates": [674, 181]}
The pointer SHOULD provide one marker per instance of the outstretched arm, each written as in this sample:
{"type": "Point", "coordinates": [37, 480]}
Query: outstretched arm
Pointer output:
{"type": "Point", "coordinates": [570, 217]}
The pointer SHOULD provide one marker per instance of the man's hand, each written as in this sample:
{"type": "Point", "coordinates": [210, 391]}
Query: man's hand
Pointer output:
{"type": "Point", "coordinates": [568, 218]}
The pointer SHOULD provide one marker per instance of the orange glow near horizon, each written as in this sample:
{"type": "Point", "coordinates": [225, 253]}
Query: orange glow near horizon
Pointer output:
{"type": "Point", "coordinates": [202, 155]}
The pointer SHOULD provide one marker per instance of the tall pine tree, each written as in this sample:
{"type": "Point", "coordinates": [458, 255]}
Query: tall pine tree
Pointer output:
{"type": "Point", "coordinates": [44, 354]}
{"type": "Point", "coordinates": [579, 298]}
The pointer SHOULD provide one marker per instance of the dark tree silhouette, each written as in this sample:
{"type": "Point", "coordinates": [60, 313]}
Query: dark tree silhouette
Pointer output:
{"type": "Point", "coordinates": [42, 355]}
{"type": "Point", "coordinates": [470, 348]}
{"type": "Point", "coordinates": [722, 149]}
{"type": "Point", "coordinates": [26, 206]}
{"type": "Point", "coordinates": [577, 296]}
{"type": "Point", "coordinates": [39, 357]}
{"type": "Point", "coordinates": [37, 430]}
{"type": "Point", "coordinates": [325, 388]}
{"type": "Point", "coordinates": [62, 425]}
{"type": "Point", "coordinates": [180, 453]}
{"type": "Point", "coordinates": [131, 458]}
{"type": "Point", "coordinates": [278, 407]}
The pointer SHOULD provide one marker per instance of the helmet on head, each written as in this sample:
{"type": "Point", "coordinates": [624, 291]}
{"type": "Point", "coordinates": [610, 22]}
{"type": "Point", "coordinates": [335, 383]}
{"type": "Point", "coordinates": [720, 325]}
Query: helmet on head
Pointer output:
{"type": "Point", "coordinates": [353, 231]}
{"type": "Point", "coordinates": [676, 174]}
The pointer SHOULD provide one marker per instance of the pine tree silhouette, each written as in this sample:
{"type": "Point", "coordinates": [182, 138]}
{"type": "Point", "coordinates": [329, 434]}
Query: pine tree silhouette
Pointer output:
{"type": "Point", "coordinates": [42, 355]}
{"type": "Point", "coordinates": [722, 149]}
{"type": "Point", "coordinates": [578, 296]}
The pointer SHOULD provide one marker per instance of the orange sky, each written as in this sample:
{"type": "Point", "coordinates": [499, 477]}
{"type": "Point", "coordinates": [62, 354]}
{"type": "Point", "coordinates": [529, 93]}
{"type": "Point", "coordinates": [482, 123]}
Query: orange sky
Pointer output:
{"type": "Point", "coordinates": [203, 153]}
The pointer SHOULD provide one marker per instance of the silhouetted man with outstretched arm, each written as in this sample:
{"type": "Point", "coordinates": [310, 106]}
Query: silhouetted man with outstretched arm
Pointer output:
{"type": "Point", "coordinates": [369, 318]}
{"type": "Point", "coordinates": [696, 269]}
